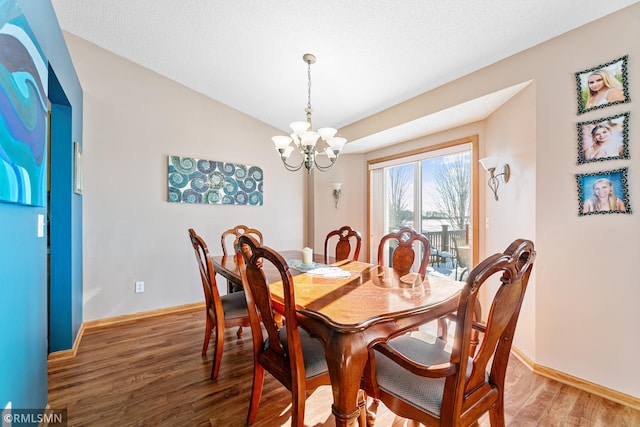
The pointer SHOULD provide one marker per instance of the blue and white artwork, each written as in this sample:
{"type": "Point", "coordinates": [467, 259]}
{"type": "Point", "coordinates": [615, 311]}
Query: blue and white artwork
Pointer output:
{"type": "Point", "coordinates": [216, 183]}
{"type": "Point", "coordinates": [23, 111]}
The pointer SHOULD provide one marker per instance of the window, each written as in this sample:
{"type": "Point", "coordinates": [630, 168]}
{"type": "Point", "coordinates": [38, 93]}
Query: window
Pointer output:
{"type": "Point", "coordinates": [433, 191]}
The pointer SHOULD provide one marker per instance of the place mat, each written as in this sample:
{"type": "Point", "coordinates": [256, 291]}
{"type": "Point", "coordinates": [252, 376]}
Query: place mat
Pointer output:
{"type": "Point", "coordinates": [297, 264]}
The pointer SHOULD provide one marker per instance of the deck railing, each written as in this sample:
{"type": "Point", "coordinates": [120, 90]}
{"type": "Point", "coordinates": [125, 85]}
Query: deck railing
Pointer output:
{"type": "Point", "coordinates": [442, 241]}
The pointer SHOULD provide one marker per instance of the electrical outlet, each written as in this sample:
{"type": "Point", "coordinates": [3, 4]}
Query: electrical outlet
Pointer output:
{"type": "Point", "coordinates": [139, 287]}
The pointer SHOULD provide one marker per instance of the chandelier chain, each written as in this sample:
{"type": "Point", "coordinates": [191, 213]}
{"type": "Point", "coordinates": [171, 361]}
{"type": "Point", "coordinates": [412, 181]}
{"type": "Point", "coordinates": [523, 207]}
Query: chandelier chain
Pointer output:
{"type": "Point", "coordinates": [309, 85]}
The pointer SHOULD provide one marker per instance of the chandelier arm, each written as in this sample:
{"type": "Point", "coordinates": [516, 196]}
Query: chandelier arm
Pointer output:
{"type": "Point", "coordinates": [292, 168]}
{"type": "Point", "coordinates": [326, 168]}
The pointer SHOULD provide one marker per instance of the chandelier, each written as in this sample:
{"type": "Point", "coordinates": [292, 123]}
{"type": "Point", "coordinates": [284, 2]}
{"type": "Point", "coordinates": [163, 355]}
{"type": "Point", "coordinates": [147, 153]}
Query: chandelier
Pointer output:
{"type": "Point", "coordinates": [309, 143]}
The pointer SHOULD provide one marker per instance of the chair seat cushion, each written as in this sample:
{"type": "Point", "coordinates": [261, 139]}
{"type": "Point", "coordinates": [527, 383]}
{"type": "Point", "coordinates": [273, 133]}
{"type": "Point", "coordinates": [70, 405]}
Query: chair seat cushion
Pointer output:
{"type": "Point", "coordinates": [421, 392]}
{"type": "Point", "coordinates": [234, 305]}
{"type": "Point", "coordinates": [315, 362]}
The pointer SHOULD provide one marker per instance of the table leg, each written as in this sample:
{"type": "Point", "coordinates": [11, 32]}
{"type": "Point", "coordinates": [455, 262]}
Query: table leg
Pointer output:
{"type": "Point", "coordinates": [346, 357]}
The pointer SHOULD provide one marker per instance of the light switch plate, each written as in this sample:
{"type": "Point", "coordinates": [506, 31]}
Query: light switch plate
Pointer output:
{"type": "Point", "coordinates": [40, 225]}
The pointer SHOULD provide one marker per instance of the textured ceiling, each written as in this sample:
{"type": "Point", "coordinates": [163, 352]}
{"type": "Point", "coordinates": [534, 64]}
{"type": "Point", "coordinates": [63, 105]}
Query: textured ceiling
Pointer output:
{"type": "Point", "coordinates": [371, 55]}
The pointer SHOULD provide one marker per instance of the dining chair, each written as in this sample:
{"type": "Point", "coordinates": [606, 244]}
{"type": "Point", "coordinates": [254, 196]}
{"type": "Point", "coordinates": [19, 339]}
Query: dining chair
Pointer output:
{"type": "Point", "coordinates": [236, 232]}
{"type": "Point", "coordinates": [221, 311]}
{"type": "Point", "coordinates": [439, 386]}
{"type": "Point", "coordinates": [461, 257]}
{"type": "Point", "coordinates": [404, 253]}
{"type": "Point", "coordinates": [346, 235]}
{"type": "Point", "coordinates": [287, 352]}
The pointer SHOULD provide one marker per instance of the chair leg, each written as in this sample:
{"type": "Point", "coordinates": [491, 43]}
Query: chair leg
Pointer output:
{"type": "Point", "coordinates": [240, 331]}
{"type": "Point", "coordinates": [256, 393]}
{"type": "Point", "coordinates": [207, 335]}
{"type": "Point", "coordinates": [443, 329]}
{"type": "Point", "coordinates": [372, 412]}
{"type": "Point", "coordinates": [297, 408]}
{"type": "Point", "coordinates": [217, 353]}
{"type": "Point", "coordinates": [362, 407]}
{"type": "Point", "coordinates": [496, 414]}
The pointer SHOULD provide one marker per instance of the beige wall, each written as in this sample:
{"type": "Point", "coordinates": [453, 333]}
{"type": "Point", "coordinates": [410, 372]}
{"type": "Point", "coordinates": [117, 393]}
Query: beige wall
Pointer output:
{"type": "Point", "coordinates": [134, 119]}
{"type": "Point", "coordinates": [580, 314]}
{"type": "Point", "coordinates": [587, 295]}
{"type": "Point", "coordinates": [511, 133]}
{"type": "Point", "coordinates": [326, 217]}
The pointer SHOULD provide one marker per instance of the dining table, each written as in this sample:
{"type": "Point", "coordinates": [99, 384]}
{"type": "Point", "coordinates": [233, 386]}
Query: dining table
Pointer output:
{"type": "Point", "coordinates": [350, 306]}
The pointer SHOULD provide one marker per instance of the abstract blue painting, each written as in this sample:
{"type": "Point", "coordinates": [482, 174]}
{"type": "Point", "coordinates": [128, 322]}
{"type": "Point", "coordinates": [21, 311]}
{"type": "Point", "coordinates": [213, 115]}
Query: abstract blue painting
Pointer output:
{"type": "Point", "coordinates": [210, 182]}
{"type": "Point", "coordinates": [24, 110]}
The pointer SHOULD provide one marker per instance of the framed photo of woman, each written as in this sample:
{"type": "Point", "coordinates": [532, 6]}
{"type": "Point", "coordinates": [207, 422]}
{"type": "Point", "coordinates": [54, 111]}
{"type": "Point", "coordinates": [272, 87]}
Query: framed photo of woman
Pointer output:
{"type": "Point", "coordinates": [603, 139]}
{"type": "Point", "coordinates": [602, 86]}
{"type": "Point", "coordinates": [603, 192]}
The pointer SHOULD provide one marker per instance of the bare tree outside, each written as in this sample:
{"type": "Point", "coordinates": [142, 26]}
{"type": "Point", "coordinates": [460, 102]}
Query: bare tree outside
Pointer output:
{"type": "Point", "coordinates": [453, 189]}
{"type": "Point", "coordinates": [400, 184]}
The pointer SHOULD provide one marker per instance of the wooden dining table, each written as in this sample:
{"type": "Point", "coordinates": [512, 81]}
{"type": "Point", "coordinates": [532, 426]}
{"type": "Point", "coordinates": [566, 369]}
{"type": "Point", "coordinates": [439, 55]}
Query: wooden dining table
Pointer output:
{"type": "Point", "coordinates": [351, 314]}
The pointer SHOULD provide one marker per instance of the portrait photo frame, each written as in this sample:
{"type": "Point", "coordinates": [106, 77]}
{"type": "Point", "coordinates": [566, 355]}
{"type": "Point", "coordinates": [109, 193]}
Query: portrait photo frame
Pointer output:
{"type": "Point", "coordinates": [614, 88]}
{"type": "Point", "coordinates": [603, 139]}
{"type": "Point", "coordinates": [604, 192]}
{"type": "Point", "coordinates": [77, 168]}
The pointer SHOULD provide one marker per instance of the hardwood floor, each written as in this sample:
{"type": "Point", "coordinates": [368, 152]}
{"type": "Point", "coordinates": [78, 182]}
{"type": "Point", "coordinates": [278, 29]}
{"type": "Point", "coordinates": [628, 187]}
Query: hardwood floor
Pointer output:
{"type": "Point", "coordinates": [150, 373]}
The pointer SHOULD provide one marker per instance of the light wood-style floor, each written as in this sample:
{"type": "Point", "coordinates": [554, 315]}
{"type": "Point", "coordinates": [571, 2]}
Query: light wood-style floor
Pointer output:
{"type": "Point", "coordinates": [150, 373]}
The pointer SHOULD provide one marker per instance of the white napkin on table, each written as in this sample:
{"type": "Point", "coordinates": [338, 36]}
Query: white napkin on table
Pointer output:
{"type": "Point", "coordinates": [329, 272]}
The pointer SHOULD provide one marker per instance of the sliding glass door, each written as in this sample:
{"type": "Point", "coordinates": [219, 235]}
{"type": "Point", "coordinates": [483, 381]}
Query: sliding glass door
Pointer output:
{"type": "Point", "coordinates": [431, 191]}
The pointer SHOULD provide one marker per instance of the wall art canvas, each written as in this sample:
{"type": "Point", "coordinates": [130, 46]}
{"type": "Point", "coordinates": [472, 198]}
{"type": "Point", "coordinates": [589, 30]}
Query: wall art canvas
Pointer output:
{"type": "Point", "coordinates": [602, 86]}
{"type": "Point", "coordinates": [603, 192]}
{"type": "Point", "coordinates": [210, 182]}
{"type": "Point", "coordinates": [603, 139]}
{"type": "Point", "coordinates": [24, 111]}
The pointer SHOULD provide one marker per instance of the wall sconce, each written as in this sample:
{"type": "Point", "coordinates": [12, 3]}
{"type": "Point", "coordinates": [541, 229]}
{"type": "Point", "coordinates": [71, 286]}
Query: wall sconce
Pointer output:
{"type": "Point", "coordinates": [490, 164]}
{"type": "Point", "coordinates": [337, 192]}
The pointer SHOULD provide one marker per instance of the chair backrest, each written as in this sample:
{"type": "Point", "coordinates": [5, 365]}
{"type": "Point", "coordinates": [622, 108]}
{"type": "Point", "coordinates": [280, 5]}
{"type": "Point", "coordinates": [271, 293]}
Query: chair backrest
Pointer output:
{"type": "Point", "coordinates": [286, 364]}
{"type": "Point", "coordinates": [462, 255]}
{"type": "Point", "coordinates": [207, 274]}
{"type": "Point", "coordinates": [515, 264]}
{"type": "Point", "coordinates": [343, 247]}
{"type": "Point", "coordinates": [404, 254]}
{"type": "Point", "coordinates": [236, 232]}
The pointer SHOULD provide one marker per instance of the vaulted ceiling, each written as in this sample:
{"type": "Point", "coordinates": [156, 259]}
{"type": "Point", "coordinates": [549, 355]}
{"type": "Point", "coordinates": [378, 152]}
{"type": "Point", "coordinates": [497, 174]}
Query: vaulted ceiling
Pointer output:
{"type": "Point", "coordinates": [371, 55]}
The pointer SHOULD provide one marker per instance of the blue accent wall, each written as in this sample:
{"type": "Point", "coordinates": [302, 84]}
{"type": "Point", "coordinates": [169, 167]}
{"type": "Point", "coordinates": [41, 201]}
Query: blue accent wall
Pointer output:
{"type": "Point", "coordinates": [23, 308]}
{"type": "Point", "coordinates": [23, 255]}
